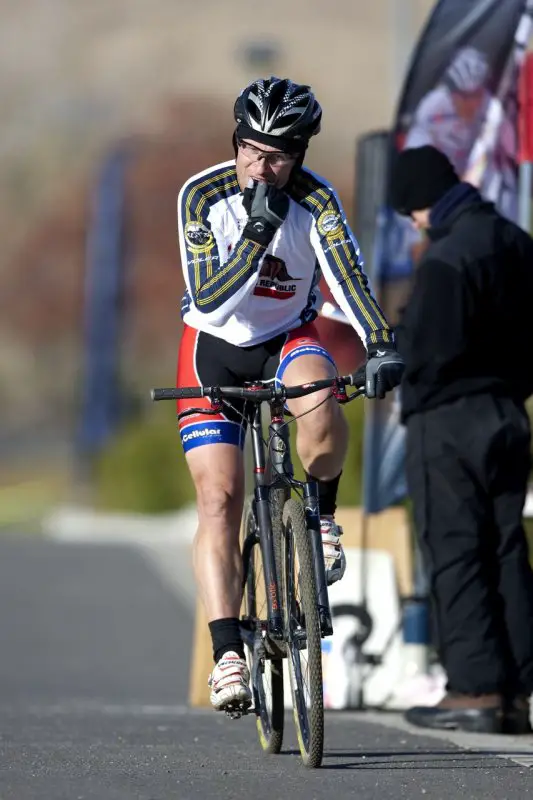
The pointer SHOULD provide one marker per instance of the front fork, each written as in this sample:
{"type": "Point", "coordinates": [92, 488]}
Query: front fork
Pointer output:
{"type": "Point", "coordinates": [280, 460]}
{"type": "Point", "coordinates": [312, 515]}
{"type": "Point", "coordinates": [262, 510]}
{"type": "Point", "coordinates": [262, 507]}
{"type": "Point", "coordinates": [281, 464]}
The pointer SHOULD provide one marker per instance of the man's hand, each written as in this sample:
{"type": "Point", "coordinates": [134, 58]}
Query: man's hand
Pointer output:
{"type": "Point", "coordinates": [267, 207]}
{"type": "Point", "coordinates": [384, 370]}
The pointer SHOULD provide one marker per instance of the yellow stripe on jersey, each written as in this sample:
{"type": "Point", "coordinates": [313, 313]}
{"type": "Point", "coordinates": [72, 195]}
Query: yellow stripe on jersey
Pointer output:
{"type": "Point", "coordinates": [195, 208]}
{"type": "Point", "coordinates": [213, 192]}
{"type": "Point", "coordinates": [341, 253]}
{"type": "Point", "coordinates": [255, 250]}
{"type": "Point", "coordinates": [210, 179]}
{"type": "Point", "coordinates": [213, 286]}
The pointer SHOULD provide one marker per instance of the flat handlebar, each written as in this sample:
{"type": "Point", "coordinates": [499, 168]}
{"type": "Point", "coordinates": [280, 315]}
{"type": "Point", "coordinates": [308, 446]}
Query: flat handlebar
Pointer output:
{"type": "Point", "coordinates": [262, 392]}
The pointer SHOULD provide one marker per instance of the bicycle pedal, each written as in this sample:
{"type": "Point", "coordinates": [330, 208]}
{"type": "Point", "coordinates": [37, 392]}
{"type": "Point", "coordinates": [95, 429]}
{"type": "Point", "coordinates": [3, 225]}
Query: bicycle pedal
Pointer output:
{"type": "Point", "coordinates": [236, 711]}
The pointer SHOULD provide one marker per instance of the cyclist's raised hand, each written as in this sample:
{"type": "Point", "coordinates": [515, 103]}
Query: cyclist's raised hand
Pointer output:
{"type": "Point", "coordinates": [267, 208]}
{"type": "Point", "coordinates": [384, 370]}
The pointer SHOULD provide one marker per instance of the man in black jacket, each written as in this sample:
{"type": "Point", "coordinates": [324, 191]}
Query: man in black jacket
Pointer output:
{"type": "Point", "coordinates": [466, 336]}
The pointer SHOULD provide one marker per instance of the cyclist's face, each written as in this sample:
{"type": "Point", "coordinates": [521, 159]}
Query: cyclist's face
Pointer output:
{"type": "Point", "coordinates": [420, 219]}
{"type": "Point", "coordinates": [468, 106]}
{"type": "Point", "coordinates": [262, 163]}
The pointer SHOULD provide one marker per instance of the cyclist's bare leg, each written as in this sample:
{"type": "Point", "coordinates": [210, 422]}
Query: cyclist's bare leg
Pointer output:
{"type": "Point", "coordinates": [322, 434]}
{"type": "Point", "coordinates": [217, 471]}
{"type": "Point", "coordinates": [321, 440]}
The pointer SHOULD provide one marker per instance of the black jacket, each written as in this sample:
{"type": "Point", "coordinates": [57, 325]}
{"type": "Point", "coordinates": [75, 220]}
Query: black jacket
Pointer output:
{"type": "Point", "coordinates": [468, 325]}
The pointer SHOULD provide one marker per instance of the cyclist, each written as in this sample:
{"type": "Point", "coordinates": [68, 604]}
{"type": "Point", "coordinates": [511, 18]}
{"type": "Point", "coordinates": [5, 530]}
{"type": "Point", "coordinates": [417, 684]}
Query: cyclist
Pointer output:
{"type": "Point", "coordinates": [256, 233]}
{"type": "Point", "coordinates": [450, 116]}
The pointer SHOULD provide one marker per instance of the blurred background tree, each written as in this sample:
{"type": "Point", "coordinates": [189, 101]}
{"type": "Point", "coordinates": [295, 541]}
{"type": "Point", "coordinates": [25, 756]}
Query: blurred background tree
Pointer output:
{"type": "Point", "coordinates": [78, 80]}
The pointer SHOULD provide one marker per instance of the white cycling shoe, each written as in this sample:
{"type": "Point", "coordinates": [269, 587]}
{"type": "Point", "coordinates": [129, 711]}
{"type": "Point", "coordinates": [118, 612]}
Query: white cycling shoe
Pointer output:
{"type": "Point", "coordinates": [230, 684]}
{"type": "Point", "coordinates": [334, 558]}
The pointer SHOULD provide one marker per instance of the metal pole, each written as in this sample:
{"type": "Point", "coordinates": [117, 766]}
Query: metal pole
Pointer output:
{"type": "Point", "coordinates": [525, 139]}
{"type": "Point", "coordinates": [525, 176]}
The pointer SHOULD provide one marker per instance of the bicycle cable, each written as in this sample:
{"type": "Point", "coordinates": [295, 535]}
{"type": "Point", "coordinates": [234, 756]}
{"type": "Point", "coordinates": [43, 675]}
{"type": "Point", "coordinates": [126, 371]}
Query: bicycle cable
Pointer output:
{"type": "Point", "coordinates": [268, 441]}
{"type": "Point", "coordinates": [293, 419]}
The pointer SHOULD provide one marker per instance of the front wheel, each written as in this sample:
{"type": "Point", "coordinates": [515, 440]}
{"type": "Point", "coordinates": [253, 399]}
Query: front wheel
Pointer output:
{"type": "Point", "coordinates": [303, 636]}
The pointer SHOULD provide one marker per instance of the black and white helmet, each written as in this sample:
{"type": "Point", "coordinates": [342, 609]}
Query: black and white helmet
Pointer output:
{"type": "Point", "coordinates": [468, 71]}
{"type": "Point", "coordinates": [280, 108]}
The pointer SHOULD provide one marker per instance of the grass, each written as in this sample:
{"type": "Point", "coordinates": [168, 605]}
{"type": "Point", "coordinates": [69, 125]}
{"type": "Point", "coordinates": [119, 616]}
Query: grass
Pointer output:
{"type": "Point", "coordinates": [24, 502]}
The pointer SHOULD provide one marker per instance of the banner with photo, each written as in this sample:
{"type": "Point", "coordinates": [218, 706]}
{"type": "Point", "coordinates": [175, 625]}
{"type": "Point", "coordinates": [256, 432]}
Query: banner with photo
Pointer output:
{"type": "Point", "coordinates": [460, 95]}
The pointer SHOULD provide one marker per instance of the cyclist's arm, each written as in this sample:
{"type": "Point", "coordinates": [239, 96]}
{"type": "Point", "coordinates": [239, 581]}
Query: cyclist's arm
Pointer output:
{"type": "Point", "coordinates": [434, 106]}
{"type": "Point", "coordinates": [418, 136]}
{"type": "Point", "coordinates": [217, 282]}
{"type": "Point", "coordinates": [340, 259]}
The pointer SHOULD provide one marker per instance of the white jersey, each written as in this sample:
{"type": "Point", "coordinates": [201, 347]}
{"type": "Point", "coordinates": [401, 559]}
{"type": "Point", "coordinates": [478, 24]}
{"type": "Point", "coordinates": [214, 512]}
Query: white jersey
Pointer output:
{"type": "Point", "coordinates": [436, 122]}
{"type": "Point", "coordinates": [245, 293]}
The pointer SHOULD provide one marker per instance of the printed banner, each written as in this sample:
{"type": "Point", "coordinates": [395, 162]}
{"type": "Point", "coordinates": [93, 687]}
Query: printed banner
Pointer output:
{"type": "Point", "coordinates": [460, 95]}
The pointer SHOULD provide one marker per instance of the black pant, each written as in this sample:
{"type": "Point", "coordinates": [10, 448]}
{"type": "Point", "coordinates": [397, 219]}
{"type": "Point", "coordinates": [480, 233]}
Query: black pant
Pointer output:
{"type": "Point", "coordinates": [467, 469]}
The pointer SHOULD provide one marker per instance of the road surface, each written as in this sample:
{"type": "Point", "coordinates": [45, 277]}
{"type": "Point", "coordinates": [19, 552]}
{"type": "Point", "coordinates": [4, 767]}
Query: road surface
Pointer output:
{"type": "Point", "coordinates": [94, 661]}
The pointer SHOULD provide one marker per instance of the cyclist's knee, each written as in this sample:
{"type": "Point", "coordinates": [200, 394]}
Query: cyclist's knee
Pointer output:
{"type": "Point", "coordinates": [218, 500]}
{"type": "Point", "coordinates": [217, 473]}
{"type": "Point", "coordinates": [323, 423]}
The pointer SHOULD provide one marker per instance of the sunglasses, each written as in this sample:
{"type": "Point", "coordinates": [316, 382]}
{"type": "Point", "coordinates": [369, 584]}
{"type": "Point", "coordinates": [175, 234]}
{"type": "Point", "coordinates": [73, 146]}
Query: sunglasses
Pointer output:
{"type": "Point", "coordinates": [275, 158]}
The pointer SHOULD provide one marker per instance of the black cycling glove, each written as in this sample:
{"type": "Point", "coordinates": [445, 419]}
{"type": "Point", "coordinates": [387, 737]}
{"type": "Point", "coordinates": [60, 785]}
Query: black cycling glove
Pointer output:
{"type": "Point", "coordinates": [267, 208]}
{"type": "Point", "coordinates": [384, 370]}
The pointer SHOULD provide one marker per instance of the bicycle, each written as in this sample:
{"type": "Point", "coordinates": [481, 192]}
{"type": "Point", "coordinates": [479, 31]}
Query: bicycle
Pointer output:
{"type": "Point", "coordinates": [285, 599]}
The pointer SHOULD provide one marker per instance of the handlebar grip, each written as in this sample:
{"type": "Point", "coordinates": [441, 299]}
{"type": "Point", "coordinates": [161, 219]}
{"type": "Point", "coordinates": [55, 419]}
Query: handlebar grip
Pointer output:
{"type": "Point", "coordinates": [177, 394]}
{"type": "Point", "coordinates": [358, 378]}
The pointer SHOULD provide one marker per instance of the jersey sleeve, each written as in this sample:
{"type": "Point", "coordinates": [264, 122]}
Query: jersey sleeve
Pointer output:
{"type": "Point", "coordinates": [217, 281]}
{"type": "Point", "coordinates": [339, 256]}
{"type": "Point", "coordinates": [418, 136]}
{"type": "Point", "coordinates": [433, 105]}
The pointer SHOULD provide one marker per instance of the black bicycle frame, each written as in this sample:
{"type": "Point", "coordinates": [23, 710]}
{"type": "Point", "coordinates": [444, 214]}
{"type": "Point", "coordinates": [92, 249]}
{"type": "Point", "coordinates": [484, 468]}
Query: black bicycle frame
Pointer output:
{"type": "Point", "coordinates": [282, 473]}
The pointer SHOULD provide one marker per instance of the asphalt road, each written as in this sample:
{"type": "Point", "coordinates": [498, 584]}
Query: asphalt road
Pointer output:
{"type": "Point", "coordinates": [94, 659]}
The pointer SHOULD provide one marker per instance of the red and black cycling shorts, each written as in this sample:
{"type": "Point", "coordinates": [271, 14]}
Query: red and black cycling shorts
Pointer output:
{"type": "Point", "coordinates": [206, 360]}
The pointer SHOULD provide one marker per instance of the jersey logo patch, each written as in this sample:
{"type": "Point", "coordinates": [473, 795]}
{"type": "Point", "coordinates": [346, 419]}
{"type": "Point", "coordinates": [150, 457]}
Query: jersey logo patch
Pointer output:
{"type": "Point", "coordinates": [329, 223]}
{"type": "Point", "coordinates": [198, 237]}
{"type": "Point", "coordinates": [274, 280]}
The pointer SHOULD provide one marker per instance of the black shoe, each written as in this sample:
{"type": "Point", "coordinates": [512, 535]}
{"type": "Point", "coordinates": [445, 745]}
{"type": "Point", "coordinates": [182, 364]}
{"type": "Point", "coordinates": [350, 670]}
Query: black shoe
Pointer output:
{"type": "Point", "coordinates": [473, 713]}
{"type": "Point", "coordinates": [516, 715]}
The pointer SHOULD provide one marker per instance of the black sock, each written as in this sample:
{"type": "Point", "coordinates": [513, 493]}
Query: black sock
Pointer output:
{"type": "Point", "coordinates": [327, 493]}
{"type": "Point", "coordinates": [226, 636]}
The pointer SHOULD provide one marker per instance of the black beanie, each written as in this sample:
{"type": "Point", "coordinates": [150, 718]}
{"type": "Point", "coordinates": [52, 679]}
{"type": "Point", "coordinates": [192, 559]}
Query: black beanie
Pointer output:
{"type": "Point", "coordinates": [420, 177]}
